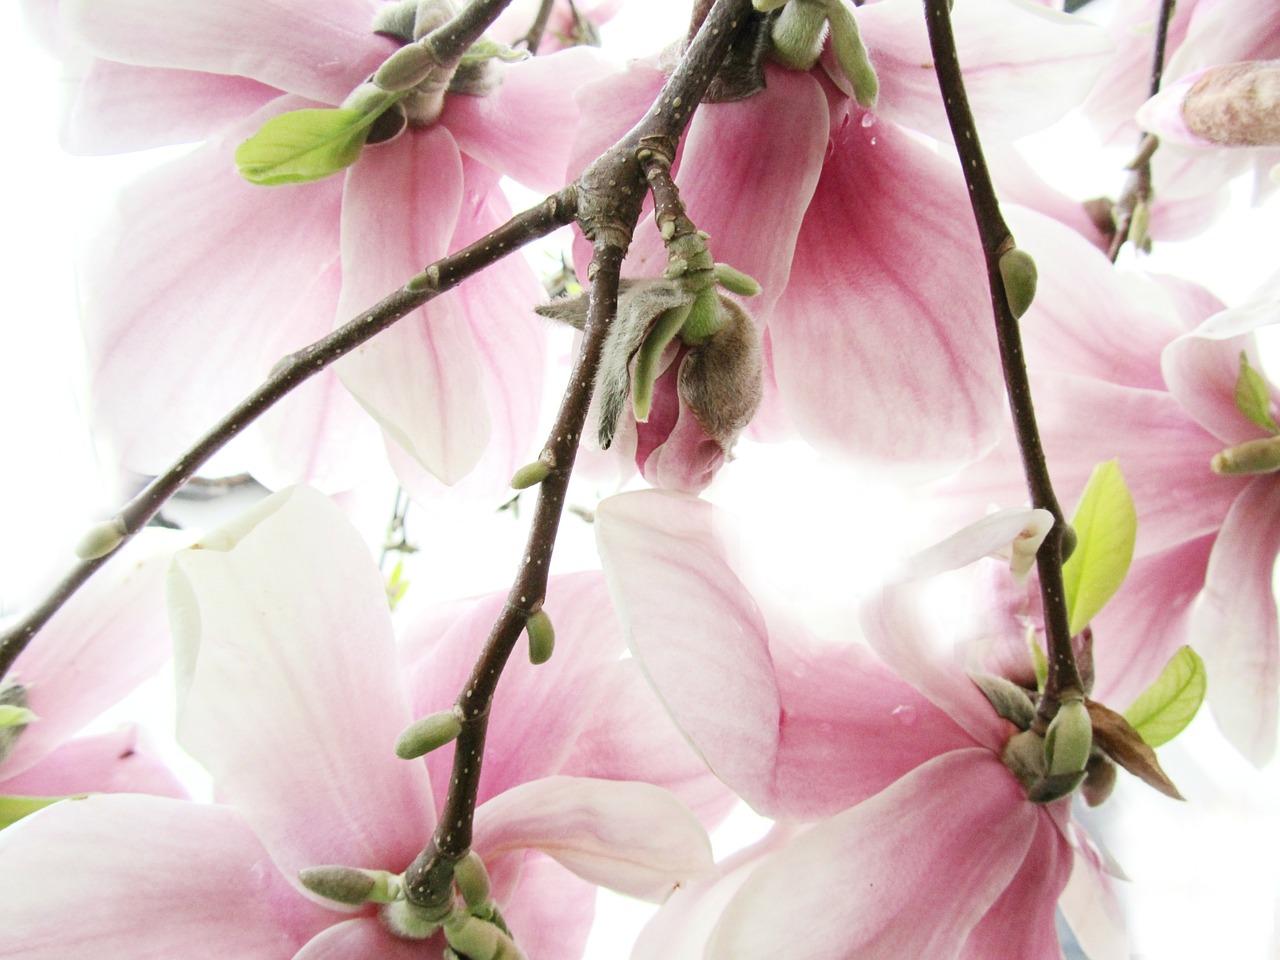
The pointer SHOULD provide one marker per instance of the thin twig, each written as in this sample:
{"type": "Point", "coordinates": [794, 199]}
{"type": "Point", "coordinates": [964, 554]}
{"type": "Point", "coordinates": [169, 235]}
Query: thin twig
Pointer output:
{"type": "Point", "coordinates": [445, 274]}
{"type": "Point", "coordinates": [1064, 677]}
{"type": "Point", "coordinates": [533, 39]}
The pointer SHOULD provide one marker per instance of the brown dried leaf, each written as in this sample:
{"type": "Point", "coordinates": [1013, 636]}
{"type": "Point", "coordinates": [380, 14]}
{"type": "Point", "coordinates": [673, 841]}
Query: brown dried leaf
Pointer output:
{"type": "Point", "coordinates": [1123, 744]}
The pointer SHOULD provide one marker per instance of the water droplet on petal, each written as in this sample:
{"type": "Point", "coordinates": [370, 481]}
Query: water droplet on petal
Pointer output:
{"type": "Point", "coordinates": [868, 120]}
{"type": "Point", "coordinates": [905, 714]}
{"type": "Point", "coordinates": [873, 141]}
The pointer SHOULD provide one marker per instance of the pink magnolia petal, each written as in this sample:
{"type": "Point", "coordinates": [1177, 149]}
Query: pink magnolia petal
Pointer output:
{"type": "Point", "coordinates": [362, 938]}
{"type": "Point", "coordinates": [884, 343]}
{"type": "Point", "coordinates": [633, 837]}
{"type": "Point", "coordinates": [993, 535]}
{"type": "Point", "coordinates": [892, 623]}
{"type": "Point", "coordinates": [1144, 624]}
{"type": "Point", "coordinates": [122, 761]}
{"type": "Point", "coordinates": [1019, 182]}
{"type": "Point", "coordinates": [118, 107]}
{"type": "Point", "coordinates": [1072, 325]}
{"type": "Point", "coordinates": [288, 44]}
{"type": "Point", "coordinates": [1021, 922]}
{"type": "Point", "coordinates": [288, 691]}
{"type": "Point", "coordinates": [147, 293]}
{"type": "Point", "coordinates": [420, 379]}
{"type": "Point", "coordinates": [105, 641]}
{"type": "Point", "coordinates": [551, 910]}
{"type": "Point", "coordinates": [1235, 627]}
{"type": "Point", "coordinates": [908, 873]}
{"type": "Point", "coordinates": [610, 107]}
{"type": "Point", "coordinates": [134, 876]}
{"type": "Point", "coordinates": [1092, 908]}
{"type": "Point", "coordinates": [669, 579]}
{"type": "Point", "coordinates": [1024, 67]}
{"type": "Point", "coordinates": [496, 131]}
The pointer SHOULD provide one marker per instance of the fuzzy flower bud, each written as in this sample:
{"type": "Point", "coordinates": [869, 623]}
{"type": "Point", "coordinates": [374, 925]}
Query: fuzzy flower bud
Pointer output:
{"type": "Point", "coordinates": [1233, 105]}
{"type": "Point", "coordinates": [429, 733]}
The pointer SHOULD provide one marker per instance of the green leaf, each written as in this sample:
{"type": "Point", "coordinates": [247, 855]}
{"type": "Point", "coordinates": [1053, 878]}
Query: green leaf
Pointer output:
{"type": "Point", "coordinates": [1165, 708]}
{"type": "Point", "coordinates": [1105, 525]}
{"type": "Point", "coordinates": [13, 809]}
{"type": "Point", "coordinates": [1253, 398]}
{"type": "Point", "coordinates": [1038, 659]}
{"type": "Point", "coordinates": [14, 716]}
{"type": "Point", "coordinates": [304, 145]}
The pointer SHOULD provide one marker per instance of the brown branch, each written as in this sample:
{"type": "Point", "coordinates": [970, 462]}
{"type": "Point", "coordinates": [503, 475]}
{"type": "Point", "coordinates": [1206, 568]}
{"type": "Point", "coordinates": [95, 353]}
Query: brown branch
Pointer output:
{"type": "Point", "coordinates": [1064, 677]}
{"type": "Point", "coordinates": [445, 274]}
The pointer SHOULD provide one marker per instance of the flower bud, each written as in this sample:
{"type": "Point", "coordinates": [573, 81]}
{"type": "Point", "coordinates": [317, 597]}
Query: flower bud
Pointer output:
{"type": "Point", "coordinates": [1252, 456]}
{"type": "Point", "coordinates": [478, 939]}
{"type": "Point", "coordinates": [530, 475]}
{"type": "Point", "coordinates": [542, 637]}
{"type": "Point", "coordinates": [734, 280]}
{"type": "Point", "coordinates": [472, 879]}
{"type": "Point", "coordinates": [412, 922]}
{"type": "Point", "coordinates": [341, 884]}
{"type": "Point", "coordinates": [851, 55]}
{"type": "Point", "coordinates": [1233, 105]}
{"type": "Point", "coordinates": [429, 733]}
{"type": "Point", "coordinates": [101, 539]}
{"type": "Point", "coordinates": [406, 68]}
{"type": "Point", "coordinates": [1018, 271]}
{"type": "Point", "coordinates": [1069, 739]}
{"type": "Point", "coordinates": [798, 33]}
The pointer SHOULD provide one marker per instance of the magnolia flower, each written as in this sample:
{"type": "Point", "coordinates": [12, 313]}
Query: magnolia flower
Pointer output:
{"type": "Point", "coordinates": [1149, 371]}
{"type": "Point", "coordinates": [454, 384]}
{"type": "Point", "coordinates": [105, 641]}
{"type": "Point", "coordinates": [924, 842]}
{"type": "Point", "coordinates": [290, 693]}
{"type": "Point", "coordinates": [875, 314]}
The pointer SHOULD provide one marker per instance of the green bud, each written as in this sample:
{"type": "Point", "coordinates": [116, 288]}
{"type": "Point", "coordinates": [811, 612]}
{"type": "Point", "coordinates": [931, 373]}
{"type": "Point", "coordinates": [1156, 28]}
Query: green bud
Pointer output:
{"type": "Point", "coordinates": [341, 884]}
{"type": "Point", "coordinates": [1069, 541]}
{"type": "Point", "coordinates": [1069, 739]}
{"type": "Point", "coordinates": [734, 280]}
{"type": "Point", "coordinates": [429, 733]}
{"type": "Point", "coordinates": [798, 34]}
{"type": "Point", "coordinates": [477, 939]}
{"type": "Point", "coordinates": [101, 539]}
{"type": "Point", "coordinates": [405, 69]}
{"type": "Point", "coordinates": [530, 475]}
{"type": "Point", "coordinates": [472, 879]}
{"type": "Point", "coordinates": [851, 55]}
{"type": "Point", "coordinates": [705, 319]}
{"type": "Point", "coordinates": [1018, 271]}
{"type": "Point", "coordinates": [1252, 456]}
{"type": "Point", "coordinates": [542, 637]}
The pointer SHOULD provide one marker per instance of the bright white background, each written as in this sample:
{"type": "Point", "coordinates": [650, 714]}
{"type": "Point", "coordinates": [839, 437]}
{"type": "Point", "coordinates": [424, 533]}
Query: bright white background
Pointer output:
{"type": "Point", "coordinates": [1229, 835]}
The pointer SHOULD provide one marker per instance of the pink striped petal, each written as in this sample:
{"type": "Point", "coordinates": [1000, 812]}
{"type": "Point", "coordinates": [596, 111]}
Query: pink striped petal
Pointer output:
{"type": "Point", "coordinates": [287, 44]}
{"type": "Point", "coordinates": [148, 293]}
{"type": "Point", "coordinates": [496, 131]}
{"type": "Point", "coordinates": [122, 761]}
{"type": "Point", "coordinates": [1024, 67]}
{"type": "Point", "coordinates": [908, 873]}
{"type": "Point", "coordinates": [632, 837]}
{"type": "Point", "coordinates": [117, 107]}
{"type": "Point", "coordinates": [137, 876]}
{"type": "Point", "coordinates": [420, 379]}
{"type": "Point", "coordinates": [884, 343]}
{"type": "Point", "coordinates": [288, 690]}
{"type": "Point", "coordinates": [1235, 627]}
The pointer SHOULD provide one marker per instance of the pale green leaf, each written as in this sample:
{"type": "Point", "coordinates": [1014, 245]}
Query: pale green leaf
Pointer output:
{"type": "Point", "coordinates": [1253, 399]}
{"type": "Point", "coordinates": [1038, 659]}
{"type": "Point", "coordinates": [14, 716]}
{"type": "Point", "coordinates": [1165, 708]}
{"type": "Point", "coordinates": [303, 145]}
{"type": "Point", "coordinates": [13, 809]}
{"type": "Point", "coordinates": [1106, 525]}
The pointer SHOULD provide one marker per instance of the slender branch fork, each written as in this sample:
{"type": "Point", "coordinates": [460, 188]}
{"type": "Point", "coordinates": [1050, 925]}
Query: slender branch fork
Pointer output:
{"type": "Point", "coordinates": [1064, 676]}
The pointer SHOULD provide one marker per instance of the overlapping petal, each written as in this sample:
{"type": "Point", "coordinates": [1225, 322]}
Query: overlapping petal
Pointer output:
{"type": "Point", "coordinates": [288, 686]}
{"type": "Point", "coordinates": [122, 761]}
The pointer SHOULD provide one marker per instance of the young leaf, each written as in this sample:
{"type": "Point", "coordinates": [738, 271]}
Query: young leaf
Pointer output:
{"type": "Point", "coordinates": [14, 716]}
{"type": "Point", "coordinates": [303, 145]}
{"type": "Point", "coordinates": [13, 809]}
{"type": "Point", "coordinates": [1164, 709]}
{"type": "Point", "coordinates": [1253, 399]}
{"type": "Point", "coordinates": [1105, 524]}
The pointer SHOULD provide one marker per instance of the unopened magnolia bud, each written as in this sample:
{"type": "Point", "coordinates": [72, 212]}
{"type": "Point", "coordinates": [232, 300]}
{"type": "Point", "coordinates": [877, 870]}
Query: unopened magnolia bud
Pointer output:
{"type": "Point", "coordinates": [433, 14]}
{"type": "Point", "coordinates": [1069, 739]}
{"type": "Point", "coordinates": [1252, 456]}
{"type": "Point", "coordinates": [530, 475]}
{"type": "Point", "coordinates": [542, 637]}
{"type": "Point", "coordinates": [100, 539]}
{"type": "Point", "coordinates": [798, 33]}
{"type": "Point", "coordinates": [851, 55]}
{"type": "Point", "coordinates": [1009, 700]}
{"type": "Point", "coordinates": [734, 280]}
{"type": "Point", "coordinates": [764, 6]}
{"type": "Point", "coordinates": [406, 68]}
{"type": "Point", "coordinates": [1069, 541]}
{"type": "Point", "coordinates": [342, 884]}
{"type": "Point", "coordinates": [1018, 271]}
{"type": "Point", "coordinates": [429, 733]}
{"type": "Point", "coordinates": [472, 879]}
